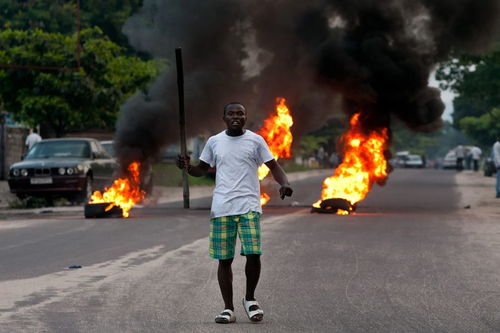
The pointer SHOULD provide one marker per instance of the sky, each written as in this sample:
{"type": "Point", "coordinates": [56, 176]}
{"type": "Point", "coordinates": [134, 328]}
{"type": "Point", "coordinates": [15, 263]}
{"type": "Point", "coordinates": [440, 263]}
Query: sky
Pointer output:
{"type": "Point", "coordinates": [446, 95]}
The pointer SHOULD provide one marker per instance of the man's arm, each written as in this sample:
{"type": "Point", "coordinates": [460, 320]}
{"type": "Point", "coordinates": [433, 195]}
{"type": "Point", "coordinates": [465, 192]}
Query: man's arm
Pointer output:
{"type": "Point", "coordinates": [280, 176]}
{"type": "Point", "coordinates": [194, 170]}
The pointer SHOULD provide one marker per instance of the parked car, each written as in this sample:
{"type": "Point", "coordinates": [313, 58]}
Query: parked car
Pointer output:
{"type": "Point", "coordinates": [450, 161]}
{"type": "Point", "coordinates": [146, 168]}
{"type": "Point", "coordinates": [108, 145]}
{"type": "Point", "coordinates": [70, 167]}
{"type": "Point", "coordinates": [400, 160]}
{"type": "Point", "coordinates": [414, 161]}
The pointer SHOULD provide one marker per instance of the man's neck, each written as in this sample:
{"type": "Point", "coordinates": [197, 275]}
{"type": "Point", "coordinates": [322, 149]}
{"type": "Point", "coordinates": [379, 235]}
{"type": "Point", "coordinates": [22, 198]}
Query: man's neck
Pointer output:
{"type": "Point", "coordinates": [232, 132]}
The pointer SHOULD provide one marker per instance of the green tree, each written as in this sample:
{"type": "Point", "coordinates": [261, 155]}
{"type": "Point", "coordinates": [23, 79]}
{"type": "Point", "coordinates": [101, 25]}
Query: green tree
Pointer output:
{"type": "Point", "coordinates": [433, 145]}
{"type": "Point", "coordinates": [68, 100]}
{"type": "Point", "coordinates": [60, 15]}
{"type": "Point", "coordinates": [476, 81]}
{"type": "Point", "coordinates": [484, 128]}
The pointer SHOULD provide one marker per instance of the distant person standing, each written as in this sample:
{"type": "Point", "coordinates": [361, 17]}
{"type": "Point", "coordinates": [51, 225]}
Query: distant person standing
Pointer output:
{"type": "Point", "coordinates": [496, 160]}
{"type": "Point", "coordinates": [460, 152]}
{"type": "Point", "coordinates": [475, 153]}
{"type": "Point", "coordinates": [32, 138]}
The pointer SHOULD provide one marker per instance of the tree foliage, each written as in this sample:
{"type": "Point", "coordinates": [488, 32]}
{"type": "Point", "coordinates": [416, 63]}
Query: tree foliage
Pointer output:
{"type": "Point", "coordinates": [68, 100]}
{"type": "Point", "coordinates": [484, 128]}
{"type": "Point", "coordinates": [433, 145]}
{"type": "Point", "coordinates": [60, 15]}
{"type": "Point", "coordinates": [476, 81]}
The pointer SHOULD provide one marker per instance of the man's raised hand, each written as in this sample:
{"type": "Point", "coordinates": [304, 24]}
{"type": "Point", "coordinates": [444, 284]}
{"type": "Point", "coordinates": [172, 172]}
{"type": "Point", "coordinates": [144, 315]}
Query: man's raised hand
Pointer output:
{"type": "Point", "coordinates": [183, 161]}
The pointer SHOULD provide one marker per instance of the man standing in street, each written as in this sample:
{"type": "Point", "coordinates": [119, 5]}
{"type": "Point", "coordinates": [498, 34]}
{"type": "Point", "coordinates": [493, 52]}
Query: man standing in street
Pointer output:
{"type": "Point", "coordinates": [236, 153]}
{"type": "Point", "coordinates": [32, 138]}
{"type": "Point", "coordinates": [475, 153]}
{"type": "Point", "coordinates": [496, 160]}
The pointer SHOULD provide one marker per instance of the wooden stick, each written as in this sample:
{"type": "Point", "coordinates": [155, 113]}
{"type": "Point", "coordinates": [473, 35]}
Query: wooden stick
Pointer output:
{"type": "Point", "coordinates": [182, 123]}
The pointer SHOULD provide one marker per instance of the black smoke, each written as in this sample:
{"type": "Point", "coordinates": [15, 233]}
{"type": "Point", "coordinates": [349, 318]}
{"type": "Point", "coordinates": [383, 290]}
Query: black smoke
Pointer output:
{"type": "Point", "coordinates": [375, 55]}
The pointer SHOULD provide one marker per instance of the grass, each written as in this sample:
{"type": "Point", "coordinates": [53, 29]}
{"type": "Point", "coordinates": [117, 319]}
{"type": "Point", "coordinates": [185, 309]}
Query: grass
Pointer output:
{"type": "Point", "coordinates": [292, 167]}
{"type": "Point", "coordinates": [169, 175]}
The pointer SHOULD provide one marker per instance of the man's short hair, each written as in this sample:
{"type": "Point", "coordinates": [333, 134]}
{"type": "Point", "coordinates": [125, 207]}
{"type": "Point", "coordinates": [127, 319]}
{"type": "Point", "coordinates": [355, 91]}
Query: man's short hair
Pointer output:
{"type": "Point", "coordinates": [232, 103]}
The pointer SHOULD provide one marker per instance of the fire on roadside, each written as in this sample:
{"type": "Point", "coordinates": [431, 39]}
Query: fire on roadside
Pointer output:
{"type": "Point", "coordinates": [124, 192]}
{"type": "Point", "coordinates": [363, 164]}
{"type": "Point", "coordinates": [276, 132]}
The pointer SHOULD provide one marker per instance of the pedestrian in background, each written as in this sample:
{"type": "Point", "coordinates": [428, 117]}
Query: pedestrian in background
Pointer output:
{"type": "Point", "coordinates": [460, 152]}
{"type": "Point", "coordinates": [475, 153]}
{"type": "Point", "coordinates": [32, 138]}
{"type": "Point", "coordinates": [496, 160]}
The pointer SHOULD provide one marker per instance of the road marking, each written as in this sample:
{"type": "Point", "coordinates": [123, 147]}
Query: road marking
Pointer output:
{"type": "Point", "coordinates": [22, 296]}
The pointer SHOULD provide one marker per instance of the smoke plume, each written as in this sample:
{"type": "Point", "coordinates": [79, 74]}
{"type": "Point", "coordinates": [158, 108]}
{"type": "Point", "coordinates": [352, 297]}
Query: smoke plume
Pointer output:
{"type": "Point", "coordinates": [376, 55]}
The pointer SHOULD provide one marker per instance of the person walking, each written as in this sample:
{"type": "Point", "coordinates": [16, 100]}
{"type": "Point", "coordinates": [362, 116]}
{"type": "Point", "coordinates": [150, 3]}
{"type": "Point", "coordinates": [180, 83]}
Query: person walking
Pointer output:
{"type": "Point", "coordinates": [460, 152]}
{"type": "Point", "coordinates": [32, 138]}
{"type": "Point", "coordinates": [496, 160]}
{"type": "Point", "coordinates": [475, 154]}
{"type": "Point", "coordinates": [236, 153]}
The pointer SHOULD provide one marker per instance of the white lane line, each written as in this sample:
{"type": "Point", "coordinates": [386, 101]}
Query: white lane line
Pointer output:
{"type": "Point", "coordinates": [19, 296]}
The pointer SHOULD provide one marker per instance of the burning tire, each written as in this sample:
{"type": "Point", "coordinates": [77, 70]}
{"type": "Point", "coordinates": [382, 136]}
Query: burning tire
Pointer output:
{"type": "Point", "coordinates": [98, 210]}
{"type": "Point", "coordinates": [333, 206]}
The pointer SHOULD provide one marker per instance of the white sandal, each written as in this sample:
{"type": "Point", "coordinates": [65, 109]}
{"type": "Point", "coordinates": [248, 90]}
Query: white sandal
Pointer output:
{"type": "Point", "coordinates": [225, 317]}
{"type": "Point", "coordinates": [254, 315]}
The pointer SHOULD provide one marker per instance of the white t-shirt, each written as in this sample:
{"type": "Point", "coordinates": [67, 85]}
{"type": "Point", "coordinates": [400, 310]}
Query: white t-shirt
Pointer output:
{"type": "Point", "coordinates": [236, 159]}
{"type": "Point", "coordinates": [32, 139]}
{"type": "Point", "coordinates": [475, 152]}
{"type": "Point", "coordinates": [496, 154]}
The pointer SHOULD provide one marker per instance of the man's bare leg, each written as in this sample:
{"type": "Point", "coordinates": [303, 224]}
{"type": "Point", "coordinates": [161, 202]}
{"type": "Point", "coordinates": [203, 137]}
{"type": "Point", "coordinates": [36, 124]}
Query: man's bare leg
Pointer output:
{"type": "Point", "coordinates": [252, 272]}
{"type": "Point", "coordinates": [225, 277]}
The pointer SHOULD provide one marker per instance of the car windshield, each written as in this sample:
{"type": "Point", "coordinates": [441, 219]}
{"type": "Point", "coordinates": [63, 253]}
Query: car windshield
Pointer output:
{"type": "Point", "coordinates": [109, 148]}
{"type": "Point", "coordinates": [59, 149]}
{"type": "Point", "coordinates": [414, 158]}
{"type": "Point", "coordinates": [450, 156]}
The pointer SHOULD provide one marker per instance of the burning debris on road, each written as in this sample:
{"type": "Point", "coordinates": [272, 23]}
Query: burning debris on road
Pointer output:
{"type": "Point", "coordinates": [278, 136]}
{"type": "Point", "coordinates": [334, 206]}
{"type": "Point", "coordinates": [376, 55]}
{"type": "Point", "coordinates": [118, 199]}
{"type": "Point", "coordinates": [364, 163]}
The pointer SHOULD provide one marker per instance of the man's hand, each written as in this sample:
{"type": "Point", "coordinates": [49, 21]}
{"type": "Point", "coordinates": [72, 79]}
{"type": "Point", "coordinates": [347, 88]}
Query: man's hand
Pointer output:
{"type": "Point", "coordinates": [183, 161]}
{"type": "Point", "coordinates": [285, 191]}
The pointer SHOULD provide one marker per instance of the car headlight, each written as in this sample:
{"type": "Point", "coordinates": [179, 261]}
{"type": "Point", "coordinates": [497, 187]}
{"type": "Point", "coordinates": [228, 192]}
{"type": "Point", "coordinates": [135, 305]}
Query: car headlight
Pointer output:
{"type": "Point", "coordinates": [16, 172]}
{"type": "Point", "coordinates": [62, 171]}
{"type": "Point", "coordinates": [70, 171]}
{"type": "Point", "coordinates": [24, 172]}
{"type": "Point", "coordinates": [79, 168]}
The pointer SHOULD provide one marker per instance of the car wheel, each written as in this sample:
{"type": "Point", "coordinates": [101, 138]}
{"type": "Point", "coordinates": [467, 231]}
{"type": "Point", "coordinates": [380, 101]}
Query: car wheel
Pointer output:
{"type": "Point", "coordinates": [84, 196]}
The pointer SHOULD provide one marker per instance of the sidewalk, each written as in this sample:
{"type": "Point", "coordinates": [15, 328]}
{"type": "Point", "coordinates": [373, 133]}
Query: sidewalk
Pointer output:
{"type": "Point", "coordinates": [477, 193]}
{"type": "Point", "coordinates": [5, 195]}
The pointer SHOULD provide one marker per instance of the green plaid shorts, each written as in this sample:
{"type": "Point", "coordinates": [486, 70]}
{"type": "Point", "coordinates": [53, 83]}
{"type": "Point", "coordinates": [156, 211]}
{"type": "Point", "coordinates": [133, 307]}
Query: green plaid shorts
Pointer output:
{"type": "Point", "coordinates": [223, 232]}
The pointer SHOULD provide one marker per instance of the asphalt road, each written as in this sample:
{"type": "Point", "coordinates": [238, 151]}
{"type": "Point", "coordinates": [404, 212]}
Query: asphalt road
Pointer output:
{"type": "Point", "coordinates": [408, 260]}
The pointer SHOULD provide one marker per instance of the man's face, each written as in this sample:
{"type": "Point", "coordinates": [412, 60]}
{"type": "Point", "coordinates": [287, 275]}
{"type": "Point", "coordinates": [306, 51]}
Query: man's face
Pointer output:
{"type": "Point", "coordinates": [235, 117]}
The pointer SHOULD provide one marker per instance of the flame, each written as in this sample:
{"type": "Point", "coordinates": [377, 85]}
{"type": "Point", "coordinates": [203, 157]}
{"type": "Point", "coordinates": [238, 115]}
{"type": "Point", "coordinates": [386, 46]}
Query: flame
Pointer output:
{"type": "Point", "coordinates": [364, 163]}
{"type": "Point", "coordinates": [276, 132]}
{"type": "Point", "coordinates": [124, 193]}
{"type": "Point", "coordinates": [264, 198]}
